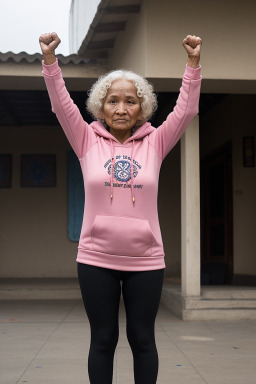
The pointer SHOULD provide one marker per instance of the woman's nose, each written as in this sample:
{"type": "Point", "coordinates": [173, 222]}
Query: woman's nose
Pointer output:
{"type": "Point", "coordinates": [121, 108]}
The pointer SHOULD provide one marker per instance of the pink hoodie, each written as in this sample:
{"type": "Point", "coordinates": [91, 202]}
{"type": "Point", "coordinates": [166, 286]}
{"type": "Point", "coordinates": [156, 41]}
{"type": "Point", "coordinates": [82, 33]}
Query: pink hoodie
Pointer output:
{"type": "Point", "coordinates": [120, 225]}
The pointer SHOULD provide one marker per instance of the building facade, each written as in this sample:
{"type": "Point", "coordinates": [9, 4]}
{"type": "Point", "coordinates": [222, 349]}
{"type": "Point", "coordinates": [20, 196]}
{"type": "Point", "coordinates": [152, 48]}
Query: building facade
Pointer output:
{"type": "Point", "coordinates": [207, 188]}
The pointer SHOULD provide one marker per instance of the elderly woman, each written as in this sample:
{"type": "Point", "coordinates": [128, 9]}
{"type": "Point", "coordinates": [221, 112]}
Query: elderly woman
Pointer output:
{"type": "Point", "coordinates": [120, 155]}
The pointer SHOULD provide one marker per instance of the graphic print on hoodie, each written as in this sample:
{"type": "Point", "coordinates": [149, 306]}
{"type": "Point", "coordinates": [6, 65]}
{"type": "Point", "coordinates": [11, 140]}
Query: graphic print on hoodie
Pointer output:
{"type": "Point", "coordinates": [120, 227]}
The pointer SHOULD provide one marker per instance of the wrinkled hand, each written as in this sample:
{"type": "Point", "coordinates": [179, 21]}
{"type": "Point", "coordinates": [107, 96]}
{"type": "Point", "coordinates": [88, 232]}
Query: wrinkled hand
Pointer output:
{"type": "Point", "coordinates": [192, 45]}
{"type": "Point", "coordinates": [48, 43]}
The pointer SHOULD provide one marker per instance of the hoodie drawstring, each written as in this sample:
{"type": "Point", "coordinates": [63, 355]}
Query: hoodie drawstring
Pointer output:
{"type": "Point", "coordinates": [132, 189]}
{"type": "Point", "coordinates": [111, 172]}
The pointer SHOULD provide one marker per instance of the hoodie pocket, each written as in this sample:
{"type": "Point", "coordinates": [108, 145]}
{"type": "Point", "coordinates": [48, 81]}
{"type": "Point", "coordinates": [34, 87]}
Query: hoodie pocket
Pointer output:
{"type": "Point", "coordinates": [118, 235]}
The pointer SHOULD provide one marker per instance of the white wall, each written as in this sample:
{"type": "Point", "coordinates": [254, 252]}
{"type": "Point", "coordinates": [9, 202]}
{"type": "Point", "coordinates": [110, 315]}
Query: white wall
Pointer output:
{"type": "Point", "coordinates": [130, 47]}
{"type": "Point", "coordinates": [33, 221]}
{"type": "Point", "coordinates": [82, 13]}
{"type": "Point", "coordinates": [227, 28]}
{"type": "Point", "coordinates": [152, 41]}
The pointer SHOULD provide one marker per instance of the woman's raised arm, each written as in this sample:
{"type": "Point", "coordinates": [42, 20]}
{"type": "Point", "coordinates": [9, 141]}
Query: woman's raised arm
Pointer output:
{"type": "Point", "coordinates": [166, 136]}
{"type": "Point", "coordinates": [80, 135]}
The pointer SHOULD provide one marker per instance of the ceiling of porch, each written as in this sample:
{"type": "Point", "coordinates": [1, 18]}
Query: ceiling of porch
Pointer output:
{"type": "Point", "coordinates": [26, 108]}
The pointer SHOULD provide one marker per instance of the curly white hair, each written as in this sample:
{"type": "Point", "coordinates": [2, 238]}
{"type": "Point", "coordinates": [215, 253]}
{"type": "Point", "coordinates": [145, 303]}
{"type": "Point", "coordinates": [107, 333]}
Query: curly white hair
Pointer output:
{"type": "Point", "coordinates": [99, 90]}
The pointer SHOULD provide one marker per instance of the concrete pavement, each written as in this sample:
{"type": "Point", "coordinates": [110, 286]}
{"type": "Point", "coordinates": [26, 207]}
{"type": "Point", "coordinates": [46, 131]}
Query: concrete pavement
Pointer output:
{"type": "Point", "coordinates": [47, 342]}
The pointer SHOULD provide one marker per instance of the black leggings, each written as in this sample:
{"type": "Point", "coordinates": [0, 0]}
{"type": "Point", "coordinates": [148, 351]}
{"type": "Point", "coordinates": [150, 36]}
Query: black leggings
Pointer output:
{"type": "Point", "coordinates": [101, 290]}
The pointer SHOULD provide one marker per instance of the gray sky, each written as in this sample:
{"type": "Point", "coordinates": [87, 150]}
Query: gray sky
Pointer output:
{"type": "Point", "coordinates": [23, 21]}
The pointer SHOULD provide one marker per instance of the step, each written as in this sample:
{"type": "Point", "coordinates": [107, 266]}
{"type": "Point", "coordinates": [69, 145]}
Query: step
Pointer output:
{"type": "Point", "coordinates": [39, 289]}
{"type": "Point", "coordinates": [219, 314]}
{"type": "Point", "coordinates": [215, 303]}
{"type": "Point", "coordinates": [228, 292]}
{"type": "Point", "coordinates": [202, 303]}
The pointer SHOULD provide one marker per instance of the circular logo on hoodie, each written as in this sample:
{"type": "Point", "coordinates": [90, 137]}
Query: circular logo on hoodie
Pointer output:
{"type": "Point", "coordinates": [122, 170]}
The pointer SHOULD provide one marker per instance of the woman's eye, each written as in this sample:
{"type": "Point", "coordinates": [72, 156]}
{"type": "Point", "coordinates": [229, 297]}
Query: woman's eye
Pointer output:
{"type": "Point", "coordinates": [130, 102]}
{"type": "Point", "coordinates": [112, 101]}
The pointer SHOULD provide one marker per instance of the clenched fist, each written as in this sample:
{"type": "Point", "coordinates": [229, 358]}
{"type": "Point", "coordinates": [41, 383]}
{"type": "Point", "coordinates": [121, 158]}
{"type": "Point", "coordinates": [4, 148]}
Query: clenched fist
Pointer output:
{"type": "Point", "coordinates": [192, 45]}
{"type": "Point", "coordinates": [48, 43]}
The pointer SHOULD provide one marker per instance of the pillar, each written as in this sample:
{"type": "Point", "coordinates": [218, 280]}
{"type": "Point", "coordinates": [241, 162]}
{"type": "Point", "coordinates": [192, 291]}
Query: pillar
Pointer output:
{"type": "Point", "coordinates": [190, 211]}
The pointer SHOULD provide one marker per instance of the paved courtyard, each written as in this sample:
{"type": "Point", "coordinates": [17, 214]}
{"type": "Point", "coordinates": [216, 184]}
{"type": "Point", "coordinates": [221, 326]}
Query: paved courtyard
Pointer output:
{"type": "Point", "coordinates": [47, 342]}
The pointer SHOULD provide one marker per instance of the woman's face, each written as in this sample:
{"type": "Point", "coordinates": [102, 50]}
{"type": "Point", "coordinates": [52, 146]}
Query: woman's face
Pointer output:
{"type": "Point", "coordinates": [121, 108]}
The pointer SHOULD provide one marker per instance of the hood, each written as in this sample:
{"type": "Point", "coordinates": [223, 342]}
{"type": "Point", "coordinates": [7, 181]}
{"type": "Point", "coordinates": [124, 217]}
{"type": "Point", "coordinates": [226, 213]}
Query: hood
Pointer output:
{"type": "Point", "coordinates": [140, 132]}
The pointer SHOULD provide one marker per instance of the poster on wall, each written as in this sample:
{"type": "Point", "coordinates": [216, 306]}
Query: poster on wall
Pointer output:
{"type": "Point", "coordinates": [5, 171]}
{"type": "Point", "coordinates": [38, 170]}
